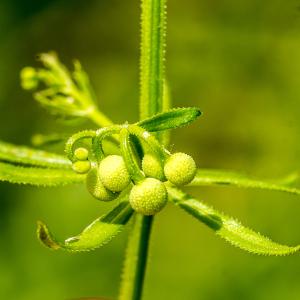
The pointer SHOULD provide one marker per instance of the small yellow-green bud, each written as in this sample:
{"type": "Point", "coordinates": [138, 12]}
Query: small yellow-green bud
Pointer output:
{"type": "Point", "coordinates": [152, 167]}
{"type": "Point", "coordinates": [81, 167]}
{"type": "Point", "coordinates": [148, 197]}
{"type": "Point", "coordinates": [29, 80]}
{"type": "Point", "coordinates": [113, 173]}
{"type": "Point", "coordinates": [180, 168]}
{"type": "Point", "coordinates": [37, 140]}
{"type": "Point", "coordinates": [81, 153]}
{"type": "Point", "coordinates": [96, 188]}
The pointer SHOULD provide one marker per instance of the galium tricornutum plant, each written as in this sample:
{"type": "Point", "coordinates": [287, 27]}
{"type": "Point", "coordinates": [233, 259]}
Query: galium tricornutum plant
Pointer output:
{"type": "Point", "coordinates": [129, 164]}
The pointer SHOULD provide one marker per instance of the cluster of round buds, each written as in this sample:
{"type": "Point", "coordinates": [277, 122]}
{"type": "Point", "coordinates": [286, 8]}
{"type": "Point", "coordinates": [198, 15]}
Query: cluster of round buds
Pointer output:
{"type": "Point", "coordinates": [149, 196]}
{"type": "Point", "coordinates": [111, 175]}
{"type": "Point", "coordinates": [179, 168]}
{"type": "Point", "coordinates": [82, 165]}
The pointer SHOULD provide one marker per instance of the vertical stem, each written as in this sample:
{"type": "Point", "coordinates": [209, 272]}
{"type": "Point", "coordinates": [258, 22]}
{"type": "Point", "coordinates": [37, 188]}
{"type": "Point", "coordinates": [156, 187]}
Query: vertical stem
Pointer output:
{"type": "Point", "coordinates": [151, 102]}
{"type": "Point", "coordinates": [152, 57]}
{"type": "Point", "coordinates": [136, 259]}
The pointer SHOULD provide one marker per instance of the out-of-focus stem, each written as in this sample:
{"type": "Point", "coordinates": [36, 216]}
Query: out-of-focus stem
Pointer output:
{"type": "Point", "coordinates": [99, 118]}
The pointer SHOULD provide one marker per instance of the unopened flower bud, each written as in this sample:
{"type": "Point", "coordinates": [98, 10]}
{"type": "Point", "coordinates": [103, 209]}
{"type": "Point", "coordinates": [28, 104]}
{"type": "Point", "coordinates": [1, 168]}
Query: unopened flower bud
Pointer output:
{"type": "Point", "coordinates": [180, 168]}
{"type": "Point", "coordinates": [148, 197]}
{"type": "Point", "coordinates": [81, 167]}
{"type": "Point", "coordinates": [113, 173]}
{"type": "Point", "coordinates": [152, 167]}
{"type": "Point", "coordinates": [96, 188]}
{"type": "Point", "coordinates": [81, 153]}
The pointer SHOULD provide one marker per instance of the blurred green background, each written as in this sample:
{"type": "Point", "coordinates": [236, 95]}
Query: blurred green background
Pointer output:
{"type": "Point", "coordinates": [239, 61]}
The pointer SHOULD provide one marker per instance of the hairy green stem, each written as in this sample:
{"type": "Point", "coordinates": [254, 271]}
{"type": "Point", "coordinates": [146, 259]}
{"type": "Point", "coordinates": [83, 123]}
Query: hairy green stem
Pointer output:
{"type": "Point", "coordinates": [131, 164]}
{"type": "Point", "coordinates": [151, 102]}
{"type": "Point", "coordinates": [150, 141]}
{"type": "Point", "coordinates": [152, 57]}
{"type": "Point", "coordinates": [101, 134]}
{"type": "Point", "coordinates": [136, 259]}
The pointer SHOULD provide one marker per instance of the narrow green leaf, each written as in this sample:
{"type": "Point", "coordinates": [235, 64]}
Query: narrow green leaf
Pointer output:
{"type": "Point", "coordinates": [174, 118]}
{"type": "Point", "coordinates": [228, 228]}
{"type": "Point", "coordinates": [97, 234]}
{"type": "Point", "coordinates": [38, 176]}
{"type": "Point", "coordinates": [226, 178]}
{"type": "Point", "coordinates": [29, 156]}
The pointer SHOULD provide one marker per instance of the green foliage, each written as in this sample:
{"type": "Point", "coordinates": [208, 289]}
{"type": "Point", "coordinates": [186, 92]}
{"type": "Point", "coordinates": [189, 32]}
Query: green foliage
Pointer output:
{"type": "Point", "coordinates": [153, 144]}
{"type": "Point", "coordinates": [67, 94]}
{"type": "Point", "coordinates": [228, 178]}
{"type": "Point", "coordinates": [97, 234]}
{"type": "Point", "coordinates": [70, 147]}
{"type": "Point", "coordinates": [165, 136]}
{"type": "Point", "coordinates": [174, 118]}
{"type": "Point", "coordinates": [142, 145]}
{"type": "Point", "coordinates": [38, 176]}
{"type": "Point", "coordinates": [153, 99]}
{"type": "Point", "coordinates": [129, 158]}
{"type": "Point", "coordinates": [29, 156]}
{"type": "Point", "coordinates": [152, 57]}
{"type": "Point", "coordinates": [228, 228]}
{"type": "Point", "coordinates": [136, 258]}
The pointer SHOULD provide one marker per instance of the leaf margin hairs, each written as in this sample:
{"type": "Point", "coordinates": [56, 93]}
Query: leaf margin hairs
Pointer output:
{"type": "Point", "coordinates": [215, 177]}
{"type": "Point", "coordinates": [110, 224]}
{"type": "Point", "coordinates": [38, 176]}
{"type": "Point", "coordinates": [228, 228]}
{"type": "Point", "coordinates": [29, 156]}
{"type": "Point", "coordinates": [170, 119]}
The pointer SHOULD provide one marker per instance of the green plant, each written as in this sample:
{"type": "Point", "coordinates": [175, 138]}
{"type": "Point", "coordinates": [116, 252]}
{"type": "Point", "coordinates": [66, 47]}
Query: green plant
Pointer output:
{"type": "Point", "coordinates": [142, 151]}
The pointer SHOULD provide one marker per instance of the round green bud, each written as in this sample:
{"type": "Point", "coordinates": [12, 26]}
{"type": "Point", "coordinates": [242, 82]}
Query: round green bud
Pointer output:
{"type": "Point", "coordinates": [113, 173]}
{"type": "Point", "coordinates": [96, 188]}
{"type": "Point", "coordinates": [29, 80]}
{"type": "Point", "coordinates": [81, 153]}
{"type": "Point", "coordinates": [81, 167]}
{"type": "Point", "coordinates": [148, 197]}
{"type": "Point", "coordinates": [180, 168]}
{"type": "Point", "coordinates": [152, 167]}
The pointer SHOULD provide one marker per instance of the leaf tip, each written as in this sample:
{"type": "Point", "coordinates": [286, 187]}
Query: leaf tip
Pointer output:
{"type": "Point", "coordinates": [198, 112]}
{"type": "Point", "coordinates": [46, 237]}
